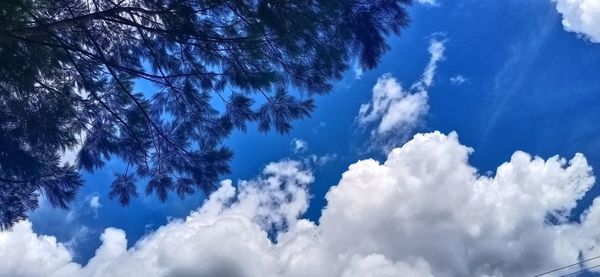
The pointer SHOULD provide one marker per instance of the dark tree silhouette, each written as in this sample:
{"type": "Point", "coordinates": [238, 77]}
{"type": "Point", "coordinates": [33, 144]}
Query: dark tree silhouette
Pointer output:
{"type": "Point", "coordinates": [68, 67]}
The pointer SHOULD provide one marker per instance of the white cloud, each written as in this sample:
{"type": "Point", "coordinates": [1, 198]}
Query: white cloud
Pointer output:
{"type": "Point", "coordinates": [79, 235]}
{"type": "Point", "coordinates": [423, 212]}
{"type": "Point", "coordinates": [581, 16]}
{"type": "Point", "coordinates": [23, 253]}
{"type": "Point", "coordinates": [426, 202]}
{"type": "Point", "coordinates": [300, 148]}
{"type": "Point", "coordinates": [319, 126]}
{"type": "Point", "coordinates": [396, 109]}
{"type": "Point", "coordinates": [316, 160]}
{"type": "Point", "coordinates": [428, 2]}
{"type": "Point", "coordinates": [299, 145]}
{"type": "Point", "coordinates": [95, 202]}
{"type": "Point", "coordinates": [358, 71]}
{"type": "Point", "coordinates": [70, 155]}
{"type": "Point", "coordinates": [436, 50]}
{"type": "Point", "coordinates": [458, 80]}
{"type": "Point", "coordinates": [393, 107]}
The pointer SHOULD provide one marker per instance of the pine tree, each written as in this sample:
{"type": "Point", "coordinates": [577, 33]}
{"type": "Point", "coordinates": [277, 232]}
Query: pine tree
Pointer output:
{"type": "Point", "coordinates": [67, 70]}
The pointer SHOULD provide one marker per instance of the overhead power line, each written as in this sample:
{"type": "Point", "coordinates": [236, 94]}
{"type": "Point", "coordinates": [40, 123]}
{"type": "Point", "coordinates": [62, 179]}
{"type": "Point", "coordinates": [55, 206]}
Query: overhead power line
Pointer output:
{"type": "Point", "coordinates": [580, 271]}
{"type": "Point", "coordinates": [567, 266]}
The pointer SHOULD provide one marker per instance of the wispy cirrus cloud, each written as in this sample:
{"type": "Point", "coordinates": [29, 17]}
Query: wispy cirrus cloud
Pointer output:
{"type": "Point", "coordinates": [458, 80]}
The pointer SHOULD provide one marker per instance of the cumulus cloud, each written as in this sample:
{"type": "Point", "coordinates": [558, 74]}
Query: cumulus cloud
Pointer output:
{"type": "Point", "coordinates": [397, 110]}
{"type": "Point", "coordinates": [23, 253]}
{"type": "Point", "coordinates": [423, 212]}
{"type": "Point", "coordinates": [581, 16]}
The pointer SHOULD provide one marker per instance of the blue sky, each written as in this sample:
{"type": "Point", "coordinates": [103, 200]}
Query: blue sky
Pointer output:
{"type": "Point", "coordinates": [512, 78]}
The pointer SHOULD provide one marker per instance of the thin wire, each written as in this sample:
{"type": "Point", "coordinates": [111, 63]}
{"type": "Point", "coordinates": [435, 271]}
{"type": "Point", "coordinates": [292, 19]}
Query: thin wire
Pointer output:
{"type": "Point", "coordinates": [580, 271]}
{"type": "Point", "coordinates": [557, 269]}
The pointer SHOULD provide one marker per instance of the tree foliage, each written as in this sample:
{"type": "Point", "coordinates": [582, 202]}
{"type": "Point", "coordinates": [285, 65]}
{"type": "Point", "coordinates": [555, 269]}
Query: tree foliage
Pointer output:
{"type": "Point", "coordinates": [68, 68]}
